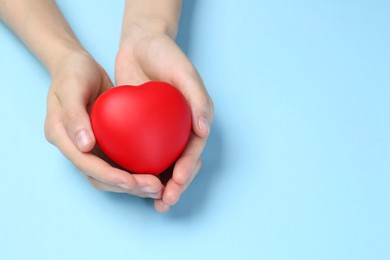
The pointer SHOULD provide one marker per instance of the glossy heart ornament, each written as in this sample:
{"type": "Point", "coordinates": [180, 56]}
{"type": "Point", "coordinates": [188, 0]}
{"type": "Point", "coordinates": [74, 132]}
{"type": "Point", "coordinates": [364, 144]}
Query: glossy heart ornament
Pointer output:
{"type": "Point", "coordinates": [142, 128]}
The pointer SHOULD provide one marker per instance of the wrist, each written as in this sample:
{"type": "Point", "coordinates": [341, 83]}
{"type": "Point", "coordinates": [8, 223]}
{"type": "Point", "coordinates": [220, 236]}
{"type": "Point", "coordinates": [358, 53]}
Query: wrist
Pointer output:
{"type": "Point", "coordinates": [151, 17]}
{"type": "Point", "coordinates": [144, 26]}
{"type": "Point", "coordinates": [62, 50]}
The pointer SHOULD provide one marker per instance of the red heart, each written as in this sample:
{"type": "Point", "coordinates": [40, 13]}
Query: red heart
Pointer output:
{"type": "Point", "coordinates": [142, 128]}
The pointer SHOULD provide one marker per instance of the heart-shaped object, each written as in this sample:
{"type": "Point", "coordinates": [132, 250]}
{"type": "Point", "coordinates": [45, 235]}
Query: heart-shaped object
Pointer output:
{"type": "Point", "coordinates": [142, 128]}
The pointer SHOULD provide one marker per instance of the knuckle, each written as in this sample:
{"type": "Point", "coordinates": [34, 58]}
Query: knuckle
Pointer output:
{"type": "Point", "coordinates": [183, 170]}
{"type": "Point", "coordinates": [209, 105]}
{"type": "Point", "coordinates": [70, 115]}
{"type": "Point", "coordinates": [171, 198]}
{"type": "Point", "coordinates": [112, 179]}
{"type": "Point", "coordinates": [186, 164]}
{"type": "Point", "coordinates": [206, 105]}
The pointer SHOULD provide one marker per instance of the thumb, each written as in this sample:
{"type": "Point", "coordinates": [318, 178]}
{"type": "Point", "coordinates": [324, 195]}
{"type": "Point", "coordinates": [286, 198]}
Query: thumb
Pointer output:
{"type": "Point", "coordinates": [75, 95]}
{"type": "Point", "coordinates": [202, 116]}
{"type": "Point", "coordinates": [202, 107]}
{"type": "Point", "coordinates": [78, 126]}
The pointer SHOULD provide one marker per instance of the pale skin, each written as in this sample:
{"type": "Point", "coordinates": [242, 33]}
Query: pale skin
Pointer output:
{"type": "Point", "coordinates": [147, 52]}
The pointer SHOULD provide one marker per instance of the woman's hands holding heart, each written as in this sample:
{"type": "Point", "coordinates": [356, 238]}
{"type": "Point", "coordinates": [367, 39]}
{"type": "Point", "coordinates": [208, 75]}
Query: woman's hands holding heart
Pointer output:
{"type": "Point", "coordinates": [79, 80]}
{"type": "Point", "coordinates": [147, 52]}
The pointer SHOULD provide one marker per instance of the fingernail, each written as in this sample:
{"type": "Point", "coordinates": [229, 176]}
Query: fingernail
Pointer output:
{"type": "Point", "coordinates": [83, 139]}
{"type": "Point", "coordinates": [204, 124]}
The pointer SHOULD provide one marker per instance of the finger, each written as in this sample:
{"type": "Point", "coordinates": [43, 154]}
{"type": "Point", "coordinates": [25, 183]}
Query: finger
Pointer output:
{"type": "Point", "coordinates": [127, 71]}
{"type": "Point", "coordinates": [77, 124]}
{"type": "Point", "coordinates": [98, 169]}
{"type": "Point", "coordinates": [185, 170]}
{"type": "Point", "coordinates": [106, 84]}
{"type": "Point", "coordinates": [193, 175]}
{"type": "Point", "coordinates": [182, 73]}
{"type": "Point", "coordinates": [202, 108]}
{"type": "Point", "coordinates": [188, 159]}
{"type": "Point", "coordinates": [173, 190]}
{"type": "Point", "coordinates": [92, 165]}
{"type": "Point", "coordinates": [74, 99]}
{"type": "Point", "coordinates": [105, 187]}
{"type": "Point", "coordinates": [160, 206]}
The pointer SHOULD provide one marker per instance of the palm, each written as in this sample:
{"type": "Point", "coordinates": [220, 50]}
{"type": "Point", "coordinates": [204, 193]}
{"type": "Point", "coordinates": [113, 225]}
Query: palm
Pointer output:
{"type": "Point", "coordinates": [150, 58]}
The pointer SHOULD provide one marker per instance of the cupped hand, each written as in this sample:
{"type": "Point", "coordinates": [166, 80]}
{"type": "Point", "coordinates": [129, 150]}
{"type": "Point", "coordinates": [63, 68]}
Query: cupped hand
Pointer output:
{"type": "Point", "coordinates": [76, 83]}
{"type": "Point", "coordinates": [145, 55]}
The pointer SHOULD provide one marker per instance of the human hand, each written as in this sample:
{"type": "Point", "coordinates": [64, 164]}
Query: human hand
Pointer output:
{"type": "Point", "coordinates": [76, 83]}
{"type": "Point", "coordinates": [148, 55]}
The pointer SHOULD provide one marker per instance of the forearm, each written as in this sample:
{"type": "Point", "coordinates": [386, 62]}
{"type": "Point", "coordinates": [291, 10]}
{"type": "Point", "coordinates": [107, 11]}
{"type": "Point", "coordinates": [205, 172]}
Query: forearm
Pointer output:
{"type": "Point", "coordinates": [43, 29]}
{"type": "Point", "coordinates": [160, 16]}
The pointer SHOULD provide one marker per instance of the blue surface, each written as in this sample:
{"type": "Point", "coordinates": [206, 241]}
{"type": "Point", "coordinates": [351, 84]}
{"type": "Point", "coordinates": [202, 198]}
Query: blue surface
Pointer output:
{"type": "Point", "coordinates": [297, 166]}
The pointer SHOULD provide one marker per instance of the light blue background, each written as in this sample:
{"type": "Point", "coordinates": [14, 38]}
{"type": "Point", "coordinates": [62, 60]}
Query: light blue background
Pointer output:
{"type": "Point", "coordinates": [297, 166]}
